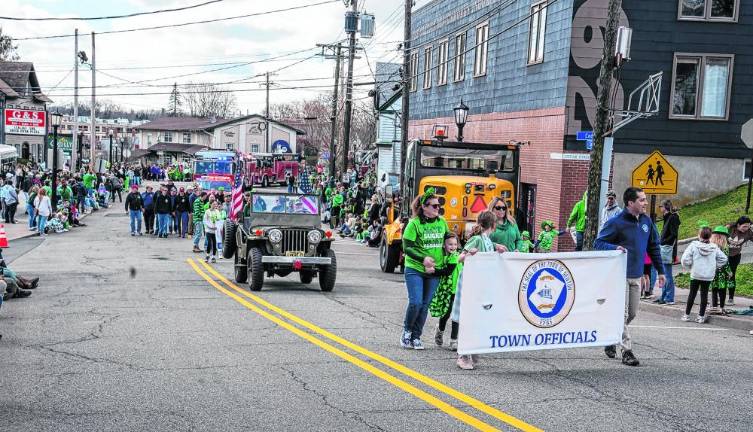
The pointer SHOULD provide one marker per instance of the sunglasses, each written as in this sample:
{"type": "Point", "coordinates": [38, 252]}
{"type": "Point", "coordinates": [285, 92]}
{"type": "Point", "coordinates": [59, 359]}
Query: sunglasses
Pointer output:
{"type": "Point", "coordinates": [500, 208]}
{"type": "Point", "coordinates": [434, 206]}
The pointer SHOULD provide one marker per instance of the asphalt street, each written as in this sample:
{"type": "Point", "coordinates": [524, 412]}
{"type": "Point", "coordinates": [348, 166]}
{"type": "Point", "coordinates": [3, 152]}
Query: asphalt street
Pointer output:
{"type": "Point", "coordinates": [134, 333]}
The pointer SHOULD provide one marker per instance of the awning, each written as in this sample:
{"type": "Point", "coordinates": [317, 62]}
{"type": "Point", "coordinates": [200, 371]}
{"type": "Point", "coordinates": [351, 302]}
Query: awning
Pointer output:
{"type": "Point", "coordinates": [8, 152]}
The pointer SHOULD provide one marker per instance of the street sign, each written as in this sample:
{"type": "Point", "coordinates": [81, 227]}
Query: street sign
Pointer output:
{"type": "Point", "coordinates": [588, 137]}
{"type": "Point", "coordinates": [747, 133]}
{"type": "Point", "coordinates": [656, 176]}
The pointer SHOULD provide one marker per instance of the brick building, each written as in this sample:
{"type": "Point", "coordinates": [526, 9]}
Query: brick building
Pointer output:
{"type": "Point", "coordinates": [528, 70]}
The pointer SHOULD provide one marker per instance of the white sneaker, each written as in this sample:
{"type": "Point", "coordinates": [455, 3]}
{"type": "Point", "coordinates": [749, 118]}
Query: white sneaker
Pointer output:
{"type": "Point", "coordinates": [453, 345]}
{"type": "Point", "coordinates": [685, 317]}
{"type": "Point", "coordinates": [701, 319]}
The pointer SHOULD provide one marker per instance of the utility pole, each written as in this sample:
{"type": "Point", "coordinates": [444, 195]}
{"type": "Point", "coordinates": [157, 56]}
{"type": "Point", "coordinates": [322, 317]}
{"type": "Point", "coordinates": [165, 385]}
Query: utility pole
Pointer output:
{"type": "Point", "coordinates": [603, 115]}
{"type": "Point", "coordinates": [74, 146]}
{"type": "Point", "coordinates": [93, 139]}
{"type": "Point", "coordinates": [333, 118]}
{"type": "Point", "coordinates": [406, 78]}
{"type": "Point", "coordinates": [349, 89]}
{"type": "Point", "coordinates": [266, 115]}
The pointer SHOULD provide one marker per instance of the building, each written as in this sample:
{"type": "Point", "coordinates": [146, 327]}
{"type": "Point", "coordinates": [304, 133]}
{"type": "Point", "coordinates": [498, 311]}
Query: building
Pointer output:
{"type": "Point", "coordinates": [23, 110]}
{"type": "Point", "coordinates": [388, 103]}
{"type": "Point", "coordinates": [179, 138]}
{"type": "Point", "coordinates": [123, 133]}
{"type": "Point", "coordinates": [528, 70]}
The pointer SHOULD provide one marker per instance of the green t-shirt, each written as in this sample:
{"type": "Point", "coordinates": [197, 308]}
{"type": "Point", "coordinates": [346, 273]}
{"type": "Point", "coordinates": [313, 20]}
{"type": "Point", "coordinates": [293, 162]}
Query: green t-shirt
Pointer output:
{"type": "Point", "coordinates": [480, 242]}
{"type": "Point", "coordinates": [429, 239]}
{"type": "Point", "coordinates": [89, 180]}
{"type": "Point", "coordinates": [65, 193]}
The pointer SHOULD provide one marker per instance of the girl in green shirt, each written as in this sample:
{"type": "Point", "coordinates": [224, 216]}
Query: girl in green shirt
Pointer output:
{"type": "Point", "coordinates": [423, 238]}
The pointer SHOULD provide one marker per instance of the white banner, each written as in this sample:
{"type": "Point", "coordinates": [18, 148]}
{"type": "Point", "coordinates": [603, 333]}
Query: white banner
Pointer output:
{"type": "Point", "coordinates": [523, 302]}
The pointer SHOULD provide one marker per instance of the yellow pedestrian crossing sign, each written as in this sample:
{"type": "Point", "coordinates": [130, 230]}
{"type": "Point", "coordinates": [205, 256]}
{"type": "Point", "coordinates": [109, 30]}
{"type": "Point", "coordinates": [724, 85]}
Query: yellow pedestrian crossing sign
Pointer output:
{"type": "Point", "coordinates": [656, 176]}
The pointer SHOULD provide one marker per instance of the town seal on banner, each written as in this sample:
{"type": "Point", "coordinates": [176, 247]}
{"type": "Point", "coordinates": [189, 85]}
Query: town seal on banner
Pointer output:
{"type": "Point", "coordinates": [546, 293]}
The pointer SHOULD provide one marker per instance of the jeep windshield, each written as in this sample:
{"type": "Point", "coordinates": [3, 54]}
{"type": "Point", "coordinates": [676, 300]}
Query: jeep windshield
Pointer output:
{"type": "Point", "coordinates": [286, 204]}
{"type": "Point", "coordinates": [491, 160]}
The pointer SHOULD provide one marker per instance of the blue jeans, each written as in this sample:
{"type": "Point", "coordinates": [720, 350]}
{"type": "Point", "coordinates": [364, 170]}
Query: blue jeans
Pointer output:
{"type": "Point", "coordinates": [163, 221]}
{"type": "Point", "coordinates": [668, 292]}
{"type": "Point", "coordinates": [135, 216]}
{"type": "Point", "coordinates": [198, 230]}
{"type": "Point", "coordinates": [290, 189]}
{"type": "Point", "coordinates": [182, 218]}
{"type": "Point", "coordinates": [32, 216]}
{"type": "Point", "coordinates": [579, 240]}
{"type": "Point", "coordinates": [421, 289]}
{"type": "Point", "coordinates": [42, 224]}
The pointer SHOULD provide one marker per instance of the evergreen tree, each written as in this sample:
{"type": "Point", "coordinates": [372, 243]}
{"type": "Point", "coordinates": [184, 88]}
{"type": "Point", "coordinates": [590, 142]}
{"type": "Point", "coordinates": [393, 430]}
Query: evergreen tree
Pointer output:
{"type": "Point", "coordinates": [175, 103]}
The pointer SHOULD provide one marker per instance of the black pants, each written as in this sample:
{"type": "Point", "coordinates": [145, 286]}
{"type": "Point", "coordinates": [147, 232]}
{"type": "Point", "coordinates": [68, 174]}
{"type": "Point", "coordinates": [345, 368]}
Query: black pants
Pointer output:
{"type": "Point", "coordinates": [211, 244]}
{"type": "Point", "coordinates": [695, 285]}
{"type": "Point", "coordinates": [455, 327]}
{"type": "Point", "coordinates": [718, 296]}
{"type": "Point", "coordinates": [734, 261]}
{"type": "Point", "coordinates": [112, 195]}
{"type": "Point", "coordinates": [149, 221]}
{"type": "Point", "coordinates": [10, 212]}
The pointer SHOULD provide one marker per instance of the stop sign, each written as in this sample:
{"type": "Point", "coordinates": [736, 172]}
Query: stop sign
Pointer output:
{"type": "Point", "coordinates": [747, 133]}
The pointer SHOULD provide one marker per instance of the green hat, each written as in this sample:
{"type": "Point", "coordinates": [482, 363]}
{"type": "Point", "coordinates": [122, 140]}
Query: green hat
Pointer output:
{"type": "Point", "coordinates": [547, 222]}
{"type": "Point", "coordinates": [525, 234]}
{"type": "Point", "coordinates": [721, 229]}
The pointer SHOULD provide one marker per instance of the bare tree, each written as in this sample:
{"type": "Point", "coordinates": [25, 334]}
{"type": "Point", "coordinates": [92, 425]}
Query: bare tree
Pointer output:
{"type": "Point", "coordinates": [207, 100]}
{"type": "Point", "coordinates": [8, 51]}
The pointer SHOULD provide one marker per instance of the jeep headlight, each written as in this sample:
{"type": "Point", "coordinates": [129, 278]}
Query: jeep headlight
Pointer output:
{"type": "Point", "coordinates": [314, 236]}
{"type": "Point", "coordinates": [275, 235]}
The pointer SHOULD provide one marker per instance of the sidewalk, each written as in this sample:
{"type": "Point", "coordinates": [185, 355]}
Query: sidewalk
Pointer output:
{"type": "Point", "coordinates": [738, 322]}
{"type": "Point", "coordinates": [20, 229]}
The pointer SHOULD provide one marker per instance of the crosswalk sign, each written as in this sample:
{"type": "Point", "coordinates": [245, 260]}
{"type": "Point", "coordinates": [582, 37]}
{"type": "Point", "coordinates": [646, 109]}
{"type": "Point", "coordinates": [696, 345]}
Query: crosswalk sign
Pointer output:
{"type": "Point", "coordinates": [656, 176]}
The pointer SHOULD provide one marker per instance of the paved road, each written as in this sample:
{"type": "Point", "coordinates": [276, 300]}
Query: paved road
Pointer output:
{"type": "Point", "coordinates": [98, 347]}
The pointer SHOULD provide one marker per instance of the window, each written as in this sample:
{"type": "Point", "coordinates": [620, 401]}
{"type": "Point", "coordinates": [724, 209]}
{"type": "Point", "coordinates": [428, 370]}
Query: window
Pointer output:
{"type": "Point", "coordinates": [186, 137]}
{"type": "Point", "coordinates": [149, 139]}
{"type": "Point", "coordinates": [413, 71]}
{"type": "Point", "coordinates": [442, 62]}
{"type": "Point", "coordinates": [701, 85]}
{"type": "Point", "coordinates": [459, 57]}
{"type": "Point", "coordinates": [536, 34]}
{"type": "Point", "coordinates": [708, 10]}
{"type": "Point", "coordinates": [427, 68]}
{"type": "Point", "coordinates": [229, 146]}
{"type": "Point", "coordinates": [481, 50]}
{"type": "Point", "coordinates": [168, 137]}
{"type": "Point", "coordinates": [254, 148]}
{"type": "Point", "coordinates": [747, 167]}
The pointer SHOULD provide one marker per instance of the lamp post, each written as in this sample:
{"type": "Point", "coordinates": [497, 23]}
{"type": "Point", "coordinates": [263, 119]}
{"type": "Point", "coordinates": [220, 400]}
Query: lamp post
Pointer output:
{"type": "Point", "coordinates": [109, 132]}
{"type": "Point", "coordinates": [461, 116]}
{"type": "Point", "coordinates": [55, 119]}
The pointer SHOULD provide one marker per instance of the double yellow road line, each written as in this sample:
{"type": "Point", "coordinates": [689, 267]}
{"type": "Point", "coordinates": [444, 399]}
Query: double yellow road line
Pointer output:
{"type": "Point", "coordinates": [276, 315]}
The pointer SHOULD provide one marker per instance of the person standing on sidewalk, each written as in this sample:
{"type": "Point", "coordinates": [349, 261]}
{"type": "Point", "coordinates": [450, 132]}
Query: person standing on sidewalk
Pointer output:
{"type": "Point", "coordinates": [721, 282]}
{"type": "Point", "coordinates": [198, 220]}
{"type": "Point", "coordinates": [633, 232]}
{"type": "Point", "coordinates": [740, 233]}
{"type": "Point", "coordinates": [11, 202]}
{"type": "Point", "coordinates": [702, 258]}
{"type": "Point", "coordinates": [148, 199]}
{"type": "Point", "coordinates": [610, 210]}
{"type": "Point", "coordinates": [44, 210]}
{"type": "Point", "coordinates": [30, 208]}
{"type": "Point", "coordinates": [134, 205]}
{"type": "Point", "coordinates": [577, 220]}
{"type": "Point", "coordinates": [669, 236]}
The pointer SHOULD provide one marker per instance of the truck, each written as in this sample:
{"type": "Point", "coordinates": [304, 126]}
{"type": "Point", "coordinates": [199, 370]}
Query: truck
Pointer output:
{"type": "Point", "coordinates": [215, 169]}
{"type": "Point", "coordinates": [266, 169]}
{"type": "Point", "coordinates": [465, 176]}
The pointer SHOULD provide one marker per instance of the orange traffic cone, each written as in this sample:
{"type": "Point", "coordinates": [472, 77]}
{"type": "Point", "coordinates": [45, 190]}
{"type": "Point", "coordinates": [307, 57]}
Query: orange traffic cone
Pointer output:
{"type": "Point", "coordinates": [3, 237]}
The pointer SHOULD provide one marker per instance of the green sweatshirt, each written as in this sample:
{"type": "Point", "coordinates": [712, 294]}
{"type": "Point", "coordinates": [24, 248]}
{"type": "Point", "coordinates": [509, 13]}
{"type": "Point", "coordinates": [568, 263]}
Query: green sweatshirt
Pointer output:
{"type": "Point", "coordinates": [198, 210]}
{"type": "Point", "coordinates": [578, 215]}
{"type": "Point", "coordinates": [507, 234]}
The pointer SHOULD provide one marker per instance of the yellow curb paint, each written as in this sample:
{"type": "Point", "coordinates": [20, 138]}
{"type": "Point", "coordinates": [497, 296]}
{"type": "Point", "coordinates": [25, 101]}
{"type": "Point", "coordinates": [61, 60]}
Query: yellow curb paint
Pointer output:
{"type": "Point", "coordinates": [397, 382]}
{"type": "Point", "coordinates": [462, 397]}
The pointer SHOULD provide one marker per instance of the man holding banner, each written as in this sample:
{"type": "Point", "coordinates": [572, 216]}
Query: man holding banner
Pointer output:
{"type": "Point", "coordinates": [632, 231]}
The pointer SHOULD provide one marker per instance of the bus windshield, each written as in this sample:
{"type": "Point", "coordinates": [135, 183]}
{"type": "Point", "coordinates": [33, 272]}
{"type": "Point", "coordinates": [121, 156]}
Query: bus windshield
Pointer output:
{"type": "Point", "coordinates": [491, 160]}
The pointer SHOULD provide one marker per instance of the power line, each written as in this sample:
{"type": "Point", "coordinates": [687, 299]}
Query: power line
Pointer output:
{"type": "Point", "coordinates": [111, 16]}
{"type": "Point", "coordinates": [186, 23]}
{"type": "Point", "coordinates": [196, 92]}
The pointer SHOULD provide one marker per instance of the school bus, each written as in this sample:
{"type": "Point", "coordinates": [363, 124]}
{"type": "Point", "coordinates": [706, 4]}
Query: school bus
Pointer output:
{"type": "Point", "coordinates": [466, 177]}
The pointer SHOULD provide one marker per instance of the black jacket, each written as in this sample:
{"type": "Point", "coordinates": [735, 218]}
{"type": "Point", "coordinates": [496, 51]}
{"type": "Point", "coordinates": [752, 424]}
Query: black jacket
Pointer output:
{"type": "Point", "coordinates": [162, 203]}
{"type": "Point", "coordinates": [134, 201]}
{"type": "Point", "coordinates": [181, 203]}
{"type": "Point", "coordinates": [671, 229]}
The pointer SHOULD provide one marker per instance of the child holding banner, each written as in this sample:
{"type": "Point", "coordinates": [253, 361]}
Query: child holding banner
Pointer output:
{"type": "Point", "coordinates": [445, 295]}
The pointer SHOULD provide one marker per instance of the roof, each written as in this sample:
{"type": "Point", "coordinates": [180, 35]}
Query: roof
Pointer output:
{"type": "Point", "coordinates": [16, 75]}
{"type": "Point", "coordinates": [177, 148]}
{"type": "Point", "coordinates": [202, 123]}
{"type": "Point", "coordinates": [7, 90]}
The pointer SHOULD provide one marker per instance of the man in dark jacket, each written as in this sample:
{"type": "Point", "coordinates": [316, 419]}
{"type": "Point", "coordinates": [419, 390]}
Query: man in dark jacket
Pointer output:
{"type": "Point", "coordinates": [633, 232]}
{"type": "Point", "coordinates": [148, 198]}
{"type": "Point", "coordinates": [163, 207]}
{"type": "Point", "coordinates": [134, 205]}
{"type": "Point", "coordinates": [182, 209]}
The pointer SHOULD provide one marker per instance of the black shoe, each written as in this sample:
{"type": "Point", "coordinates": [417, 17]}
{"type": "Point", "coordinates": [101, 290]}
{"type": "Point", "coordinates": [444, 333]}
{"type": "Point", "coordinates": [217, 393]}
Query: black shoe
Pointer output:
{"type": "Point", "coordinates": [22, 293]}
{"type": "Point", "coordinates": [34, 283]}
{"type": "Point", "coordinates": [610, 351]}
{"type": "Point", "coordinates": [629, 359]}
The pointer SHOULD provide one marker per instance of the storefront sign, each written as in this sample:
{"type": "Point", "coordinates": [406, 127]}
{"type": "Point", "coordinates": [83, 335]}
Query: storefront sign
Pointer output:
{"type": "Point", "coordinates": [25, 122]}
{"type": "Point", "coordinates": [523, 302]}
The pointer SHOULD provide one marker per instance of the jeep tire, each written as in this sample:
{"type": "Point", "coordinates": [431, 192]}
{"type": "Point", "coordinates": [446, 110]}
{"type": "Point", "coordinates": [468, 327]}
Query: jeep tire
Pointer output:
{"type": "Point", "coordinates": [389, 255]}
{"type": "Point", "coordinates": [255, 269]}
{"type": "Point", "coordinates": [228, 239]}
{"type": "Point", "coordinates": [328, 273]}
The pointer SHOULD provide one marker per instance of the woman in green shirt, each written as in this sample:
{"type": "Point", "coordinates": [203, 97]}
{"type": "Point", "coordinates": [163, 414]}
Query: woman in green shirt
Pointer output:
{"type": "Point", "coordinates": [506, 233]}
{"type": "Point", "coordinates": [423, 239]}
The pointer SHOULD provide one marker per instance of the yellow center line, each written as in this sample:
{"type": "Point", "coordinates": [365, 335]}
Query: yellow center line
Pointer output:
{"type": "Point", "coordinates": [397, 382]}
{"type": "Point", "coordinates": [462, 397]}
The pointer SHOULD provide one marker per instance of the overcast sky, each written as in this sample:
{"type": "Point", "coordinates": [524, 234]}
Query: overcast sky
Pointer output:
{"type": "Point", "coordinates": [197, 48]}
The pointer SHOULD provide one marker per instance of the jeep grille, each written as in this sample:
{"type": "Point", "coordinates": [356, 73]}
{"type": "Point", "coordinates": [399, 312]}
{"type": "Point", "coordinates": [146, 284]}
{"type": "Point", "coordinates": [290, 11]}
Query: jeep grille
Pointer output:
{"type": "Point", "coordinates": [294, 240]}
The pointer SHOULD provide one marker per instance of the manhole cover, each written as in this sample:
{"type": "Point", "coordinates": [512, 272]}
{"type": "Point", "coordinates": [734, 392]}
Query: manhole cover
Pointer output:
{"type": "Point", "coordinates": [117, 215]}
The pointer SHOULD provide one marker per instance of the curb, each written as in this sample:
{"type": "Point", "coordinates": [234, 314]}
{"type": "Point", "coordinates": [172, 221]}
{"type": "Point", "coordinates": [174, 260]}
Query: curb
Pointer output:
{"type": "Point", "coordinates": [730, 322]}
{"type": "Point", "coordinates": [34, 234]}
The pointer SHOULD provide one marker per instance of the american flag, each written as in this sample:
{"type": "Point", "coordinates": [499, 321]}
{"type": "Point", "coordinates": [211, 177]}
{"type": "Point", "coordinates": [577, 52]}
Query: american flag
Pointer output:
{"type": "Point", "coordinates": [236, 205]}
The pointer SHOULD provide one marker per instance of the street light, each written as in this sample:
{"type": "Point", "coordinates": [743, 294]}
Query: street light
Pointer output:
{"type": "Point", "coordinates": [461, 116]}
{"type": "Point", "coordinates": [109, 132]}
{"type": "Point", "coordinates": [122, 146]}
{"type": "Point", "coordinates": [56, 119]}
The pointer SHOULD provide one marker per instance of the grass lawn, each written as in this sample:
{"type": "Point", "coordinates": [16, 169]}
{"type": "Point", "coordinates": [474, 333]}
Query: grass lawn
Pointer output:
{"type": "Point", "coordinates": [744, 280]}
{"type": "Point", "coordinates": [720, 210]}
